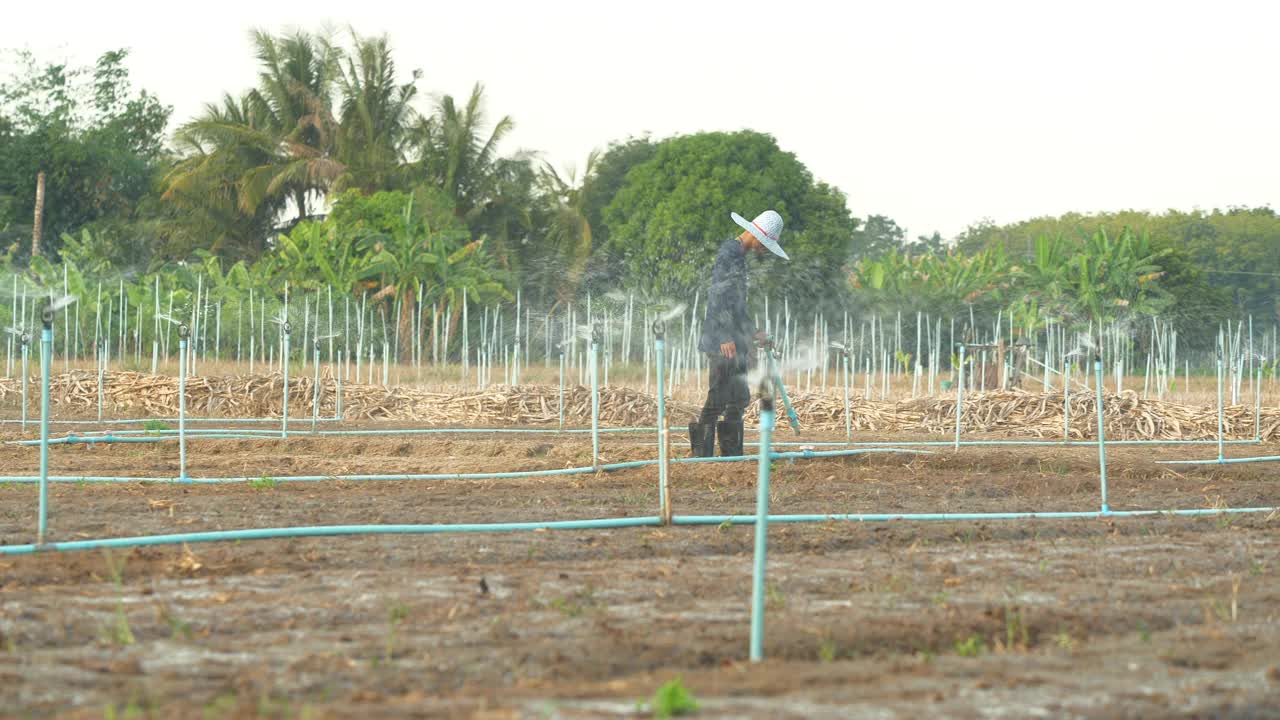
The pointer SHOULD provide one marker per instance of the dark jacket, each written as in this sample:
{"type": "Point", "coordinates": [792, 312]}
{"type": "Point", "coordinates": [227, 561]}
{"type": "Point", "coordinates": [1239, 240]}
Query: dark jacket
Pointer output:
{"type": "Point", "coordinates": [726, 319]}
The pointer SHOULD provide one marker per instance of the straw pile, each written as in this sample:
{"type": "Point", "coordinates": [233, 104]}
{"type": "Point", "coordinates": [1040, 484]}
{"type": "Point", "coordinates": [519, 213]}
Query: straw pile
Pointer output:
{"type": "Point", "coordinates": [1013, 413]}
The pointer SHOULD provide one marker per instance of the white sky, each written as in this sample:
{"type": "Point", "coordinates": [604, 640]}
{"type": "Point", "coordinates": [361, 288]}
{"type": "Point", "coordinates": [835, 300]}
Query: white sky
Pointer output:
{"type": "Point", "coordinates": [936, 114]}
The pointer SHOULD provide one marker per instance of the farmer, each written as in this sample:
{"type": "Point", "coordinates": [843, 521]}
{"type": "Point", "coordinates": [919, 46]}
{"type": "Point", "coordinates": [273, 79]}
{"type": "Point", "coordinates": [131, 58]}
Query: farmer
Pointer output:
{"type": "Point", "coordinates": [726, 336]}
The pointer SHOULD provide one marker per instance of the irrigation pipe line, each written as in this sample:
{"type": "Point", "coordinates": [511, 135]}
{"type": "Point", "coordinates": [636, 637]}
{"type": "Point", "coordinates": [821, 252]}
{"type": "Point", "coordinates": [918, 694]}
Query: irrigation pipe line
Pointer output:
{"type": "Point", "coordinates": [594, 524]}
{"type": "Point", "coordinates": [631, 464]}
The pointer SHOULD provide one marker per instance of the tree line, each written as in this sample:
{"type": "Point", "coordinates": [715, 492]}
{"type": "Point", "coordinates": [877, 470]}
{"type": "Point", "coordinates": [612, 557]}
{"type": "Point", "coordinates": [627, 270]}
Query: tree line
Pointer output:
{"type": "Point", "coordinates": [335, 168]}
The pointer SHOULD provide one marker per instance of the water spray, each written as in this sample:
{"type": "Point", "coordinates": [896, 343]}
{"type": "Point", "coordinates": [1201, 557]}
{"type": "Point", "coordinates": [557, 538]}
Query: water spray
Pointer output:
{"type": "Point", "coordinates": [24, 339]}
{"type": "Point", "coordinates": [843, 352]}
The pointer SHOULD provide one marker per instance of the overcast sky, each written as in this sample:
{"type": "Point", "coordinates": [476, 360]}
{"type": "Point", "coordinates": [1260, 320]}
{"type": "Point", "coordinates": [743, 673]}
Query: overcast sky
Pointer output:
{"type": "Point", "coordinates": [936, 114]}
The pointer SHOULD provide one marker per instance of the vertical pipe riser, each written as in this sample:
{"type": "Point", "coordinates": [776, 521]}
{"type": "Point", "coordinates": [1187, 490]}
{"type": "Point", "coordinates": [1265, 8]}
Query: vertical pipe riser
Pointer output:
{"type": "Point", "coordinates": [760, 560]}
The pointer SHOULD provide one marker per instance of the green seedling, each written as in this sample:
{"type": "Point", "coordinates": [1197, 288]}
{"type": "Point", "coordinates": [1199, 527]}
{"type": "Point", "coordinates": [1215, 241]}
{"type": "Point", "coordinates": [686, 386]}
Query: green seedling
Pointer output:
{"type": "Point", "coordinates": [118, 632]}
{"type": "Point", "coordinates": [972, 646]}
{"type": "Point", "coordinates": [395, 617]}
{"type": "Point", "coordinates": [672, 700]}
{"type": "Point", "coordinates": [827, 650]}
{"type": "Point", "coordinates": [266, 482]}
{"type": "Point", "coordinates": [773, 597]}
{"type": "Point", "coordinates": [154, 427]}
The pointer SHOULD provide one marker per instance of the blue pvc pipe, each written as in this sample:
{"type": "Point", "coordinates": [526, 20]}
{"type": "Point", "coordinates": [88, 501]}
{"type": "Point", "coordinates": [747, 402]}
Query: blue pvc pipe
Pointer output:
{"type": "Point", "coordinates": [460, 476]}
{"type": "Point", "coordinates": [792, 418]}
{"type": "Point", "coordinates": [848, 415]}
{"type": "Point", "coordinates": [762, 532]}
{"type": "Point", "coordinates": [330, 531]}
{"type": "Point", "coordinates": [1221, 461]}
{"type": "Point", "coordinates": [182, 408]}
{"type": "Point", "coordinates": [1102, 434]}
{"type": "Point", "coordinates": [46, 354]}
{"type": "Point", "coordinates": [284, 406]}
{"type": "Point", "coordinates": [664, 506]}
{"type": "Point", "coordinates": [337, 402]}
{"type": "Point", "coordinates": [959, 397]}
{"type": "Point", "coordinates": [595, 406]}
{"type": "Point", "coordinates": [606, 523]}
{"type": "Point", "coordinates": [562, 389]}
{"type": "Point", "coordinates": [25, 380]}
{"type": "Point", "coordinates": [1066, 401]}
{"type": "Point", "coordinates": [1221, 454]}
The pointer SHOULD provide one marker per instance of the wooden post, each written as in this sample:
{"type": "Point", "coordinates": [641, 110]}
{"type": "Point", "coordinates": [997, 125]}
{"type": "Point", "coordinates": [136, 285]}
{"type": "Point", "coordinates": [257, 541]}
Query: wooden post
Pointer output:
{"type": "Point", "coordinates": [39, 215]}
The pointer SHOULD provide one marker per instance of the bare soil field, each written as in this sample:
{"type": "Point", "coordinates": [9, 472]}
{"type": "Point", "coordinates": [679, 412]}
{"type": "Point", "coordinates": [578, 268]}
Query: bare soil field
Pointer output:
{"type": "Point", "coordinates": [1114, 618]}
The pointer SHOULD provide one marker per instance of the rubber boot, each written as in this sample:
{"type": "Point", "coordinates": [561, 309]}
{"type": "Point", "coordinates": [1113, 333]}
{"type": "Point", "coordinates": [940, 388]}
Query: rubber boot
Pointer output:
{"type": "Point", "coordinates": [702, 438]}
{"type": "Point", "coordinates": [730, 437]}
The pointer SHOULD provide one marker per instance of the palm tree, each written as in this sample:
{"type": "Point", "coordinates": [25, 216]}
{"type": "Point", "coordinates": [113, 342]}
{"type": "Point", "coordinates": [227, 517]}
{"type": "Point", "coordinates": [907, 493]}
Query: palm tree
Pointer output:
{"type": "Point", "coordinates": [376, 116]}
{"type": "Point", "coordinates": [569, 233]}
{"type": "Point", "coordinates": [249, 158]}
{"type": "Point", "coordinates": [457, 155]}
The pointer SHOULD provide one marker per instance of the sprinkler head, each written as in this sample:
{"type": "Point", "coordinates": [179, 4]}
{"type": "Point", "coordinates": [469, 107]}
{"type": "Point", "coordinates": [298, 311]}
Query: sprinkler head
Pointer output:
{"type": "Point", "coordinates": [184, 331]}
{"type": "Point", "coordinates": [1097, 358]}
{"type": "Point", "coordinates": [46, 315]}
{"type": "Point", "coordinates": [595, 335]}
{"type": "Point", "coordinates": [286, 328]}
{"type": "Point", "coordinates": [659, 329]}
{"type": "Point", "coordinates": [25, 338]}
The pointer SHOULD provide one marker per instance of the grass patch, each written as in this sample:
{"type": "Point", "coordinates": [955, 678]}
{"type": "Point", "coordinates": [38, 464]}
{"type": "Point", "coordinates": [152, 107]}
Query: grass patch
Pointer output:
{"type": "Point", "coordinates": [672, 700]}
{"type": "Point", "coordinates": [972, 646]}
{"type": "Point", "coordinates": [266, 482]}
{"type": "Point", "coordinates": [117, 632]}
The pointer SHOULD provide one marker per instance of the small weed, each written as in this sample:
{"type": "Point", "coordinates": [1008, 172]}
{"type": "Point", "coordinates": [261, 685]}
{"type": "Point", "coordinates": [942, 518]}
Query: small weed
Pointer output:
{"type": "Point", "coordinates": [1144, 632]}
{"type": "Point", "coordinates": [223, 706]}
{"type": "Point", "coordinates": [1256, 568]}
{"type": "Point", "coordinates": [118, 631]}
{"type": "Point", "coordinates": [724, 526]}
{"type": "Point", "coordinates": [395, 617]}
{"type": "Point", "coordinates": [1015, 630]}
{"type": "Point", "coordinates": [1064, 641]}
{"type": "Point", "coordinates": [154, 427]}
{"type": "Point", "coordinates": [673, 699]}
{"type": "Point", "coordinates": [827, 650]}
{"type": "Point", "coordinates": [940, 599]}
{"type": "Point", "coordinates": [129, 711]}
{"type": "Point", "coordinates": [773, 597]}
{"type": "Point", "coordinates": [576, 603]}
{"type": "Point", "coordinates": [972, 646]}
{"type": "Point", "coordinates": [266, 482]}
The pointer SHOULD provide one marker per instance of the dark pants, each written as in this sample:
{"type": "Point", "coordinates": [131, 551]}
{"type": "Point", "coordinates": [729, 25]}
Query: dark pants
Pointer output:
{"type": "Point", "coordinates": [727, 391]}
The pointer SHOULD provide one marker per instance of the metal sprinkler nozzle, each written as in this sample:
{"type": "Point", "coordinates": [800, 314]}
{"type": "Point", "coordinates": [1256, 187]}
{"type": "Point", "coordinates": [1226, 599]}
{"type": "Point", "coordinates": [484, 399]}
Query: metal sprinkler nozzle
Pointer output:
{"type": "Point", "coordinates": [184, 331]}
{"type": "Point", "coordinates": [286, 328]}
{"type": "Point", "coordinates": [46, 315]}
{"type": "Point", "coordinates": [659, 329]}
{"type": "Point", "coordinates": [595, 334]}
{"type": "Point", "coordinates": [25, 338]}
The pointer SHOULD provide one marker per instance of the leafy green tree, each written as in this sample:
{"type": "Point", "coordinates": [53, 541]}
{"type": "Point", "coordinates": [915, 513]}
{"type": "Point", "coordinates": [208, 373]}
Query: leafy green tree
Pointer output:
{"type": "Point", "coordinates": [672, 213]}
{"type": "Point", "coordinates": [876, 236]}
{"type": "Point", "coordinates": [98, 141]}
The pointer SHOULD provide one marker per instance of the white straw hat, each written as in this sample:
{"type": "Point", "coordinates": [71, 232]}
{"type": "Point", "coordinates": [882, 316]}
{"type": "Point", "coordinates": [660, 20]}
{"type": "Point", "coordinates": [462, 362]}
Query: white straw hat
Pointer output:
{"type": "Point", "coordinates": [767, 228]}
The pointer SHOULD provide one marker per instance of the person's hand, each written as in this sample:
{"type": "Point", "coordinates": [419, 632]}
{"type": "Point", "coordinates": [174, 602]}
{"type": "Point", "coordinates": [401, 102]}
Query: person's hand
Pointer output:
{"type": "Point", "coordinates": [729, 349]}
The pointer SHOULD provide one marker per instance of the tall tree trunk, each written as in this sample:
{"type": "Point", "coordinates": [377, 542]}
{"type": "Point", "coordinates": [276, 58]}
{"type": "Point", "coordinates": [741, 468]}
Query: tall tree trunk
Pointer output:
{"type": "Point", "coordinates": [37, 226]}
